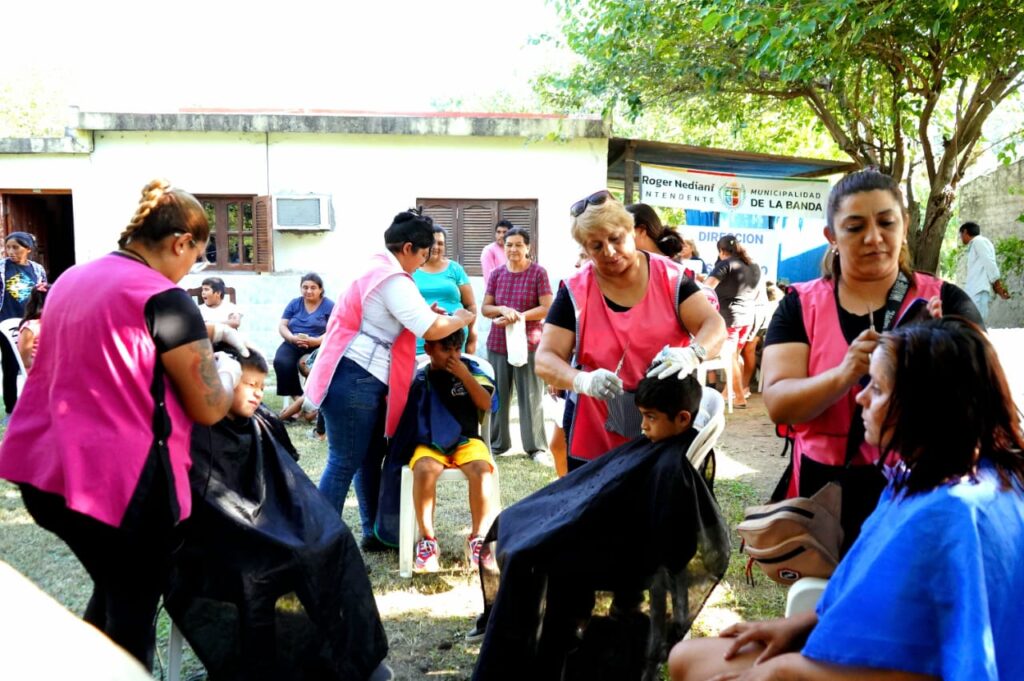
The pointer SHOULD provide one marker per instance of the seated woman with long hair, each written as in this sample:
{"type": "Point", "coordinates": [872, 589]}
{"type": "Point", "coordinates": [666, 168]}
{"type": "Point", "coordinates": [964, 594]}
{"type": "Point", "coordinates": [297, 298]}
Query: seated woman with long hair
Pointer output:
{"type": "Point", "coordinates": [932, 587]}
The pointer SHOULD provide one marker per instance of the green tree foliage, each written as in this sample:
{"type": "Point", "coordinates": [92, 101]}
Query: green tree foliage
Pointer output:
{"type": "Point", "coordinates": [896, 83]}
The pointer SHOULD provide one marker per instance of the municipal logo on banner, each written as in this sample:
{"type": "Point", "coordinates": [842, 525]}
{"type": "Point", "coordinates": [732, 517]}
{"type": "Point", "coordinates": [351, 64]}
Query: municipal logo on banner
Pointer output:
{"type": "Point", "coordinates": [732, 195]}
{"type": "Point", "coordinates": [706, 191]}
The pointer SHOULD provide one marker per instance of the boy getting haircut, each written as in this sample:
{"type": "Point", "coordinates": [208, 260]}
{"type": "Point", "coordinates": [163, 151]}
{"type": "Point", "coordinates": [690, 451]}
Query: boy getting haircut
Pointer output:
{"type": "Point", "coordinates": [668, 407]}
{"type": "Point", "coordinates": [440, 429]}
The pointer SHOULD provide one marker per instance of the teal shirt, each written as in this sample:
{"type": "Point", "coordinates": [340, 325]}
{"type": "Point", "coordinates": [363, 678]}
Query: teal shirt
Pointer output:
{"type": "Point", "coordinates": [441, 288]}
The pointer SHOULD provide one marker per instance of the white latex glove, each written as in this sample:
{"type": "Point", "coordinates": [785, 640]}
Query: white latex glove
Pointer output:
{"type": "Point", "coordinates": [600, 383]}
{"type": "Point", "coordinates": [222, 333]}
{"type": "Point", "coordinates": [228, 370]}
{"type": "Point", "coordinates": [672, 361]}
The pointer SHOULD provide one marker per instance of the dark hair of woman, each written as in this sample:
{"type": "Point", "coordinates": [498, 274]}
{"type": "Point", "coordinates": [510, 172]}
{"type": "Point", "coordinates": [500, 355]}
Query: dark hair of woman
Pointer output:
{"type": "Point", "coordinates": [409, 227]}
{"type": "Point", "coordinates": [867, 180]}
{"type": "Point", "coordinates": [164, 211]}
{"type": "Point", "coordinates": [668, 240]}
{"type": "Point", "coordinates": [950, 357]}
{"type": "Point", "coordinates": [518, 231]}
{"type": "Point", "coordinates": [733, 248]}
{"type": "Point", "coordinates": [34, 304]}
{"type": "Point", "coordinates": [315, 278]}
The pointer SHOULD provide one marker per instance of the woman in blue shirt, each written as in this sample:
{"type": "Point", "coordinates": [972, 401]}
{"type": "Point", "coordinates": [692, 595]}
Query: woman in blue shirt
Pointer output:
{"type": "Point", "coordinates": [303, 323]}
{"type": "Point", "coordinates": [932, 587]}
{"type": "Point", "coordinates": [18, 276]}
{"type": "Point", "coordinates": [444, 282]}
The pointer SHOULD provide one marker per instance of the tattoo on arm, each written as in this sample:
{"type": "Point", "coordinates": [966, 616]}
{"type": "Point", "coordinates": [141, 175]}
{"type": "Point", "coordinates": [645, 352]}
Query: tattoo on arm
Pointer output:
{"type": "Point", "coordinates": [206, 374]}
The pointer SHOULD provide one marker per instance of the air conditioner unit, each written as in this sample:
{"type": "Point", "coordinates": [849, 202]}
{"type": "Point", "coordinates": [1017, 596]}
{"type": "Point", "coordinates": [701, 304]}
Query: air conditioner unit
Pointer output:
{"type": "Point", "coordinates": [303, 212]}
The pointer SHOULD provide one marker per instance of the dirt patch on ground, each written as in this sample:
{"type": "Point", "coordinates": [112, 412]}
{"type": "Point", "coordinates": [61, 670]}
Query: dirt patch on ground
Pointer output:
{"type": "Point", "coordinates": [749, 449]}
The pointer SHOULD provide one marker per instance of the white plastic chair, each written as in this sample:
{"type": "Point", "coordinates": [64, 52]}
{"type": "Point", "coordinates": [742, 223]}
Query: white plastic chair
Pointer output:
{"type": "Point", "coordinates": [174, 642]}
{"type": "Point", "coordinates": [711, 422]}
{"type": "Point", "coordinates": [407, 514]}
{"type": "Point", "coordinates": [721, 363]}
{"type": "Point", "coordinates": [9, 330]}
{"type": "Point", "coordinates": [804, 594]}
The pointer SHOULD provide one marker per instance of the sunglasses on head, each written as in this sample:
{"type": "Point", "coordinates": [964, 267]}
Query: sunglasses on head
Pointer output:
{"type": "Point", "coordinates": [596, 199]}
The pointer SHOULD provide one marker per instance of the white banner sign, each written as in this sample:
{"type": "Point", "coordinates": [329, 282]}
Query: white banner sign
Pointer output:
{"type": "Point", "coordinates": [699, 190]}
{"type": "Point", "coordinates": [762, 245]}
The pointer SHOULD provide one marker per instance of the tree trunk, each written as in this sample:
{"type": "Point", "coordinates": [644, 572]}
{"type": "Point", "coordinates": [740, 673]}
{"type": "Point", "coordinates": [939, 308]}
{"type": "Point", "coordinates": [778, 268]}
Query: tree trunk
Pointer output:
{"type": "Point", "coordinates": [936, 217]}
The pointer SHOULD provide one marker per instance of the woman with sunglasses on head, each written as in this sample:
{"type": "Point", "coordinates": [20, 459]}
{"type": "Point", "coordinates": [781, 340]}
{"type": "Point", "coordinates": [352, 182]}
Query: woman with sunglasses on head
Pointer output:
{"type": "Point", "coordinates": [932, 587]}
{"type": "Point", "coordinates": [624, 307]}
{"type": "Point", "coordinates": [367, 358]}
{"type": "Point", "coordinates": [18, 276]}
{"type": "Point", "coordinates": [99, 442]}
{"type": "Point", "coordinates": [815, 358]}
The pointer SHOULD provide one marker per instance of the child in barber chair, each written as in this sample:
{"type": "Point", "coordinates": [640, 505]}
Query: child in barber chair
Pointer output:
{"type": "Point", "coordinates": [448, 436]}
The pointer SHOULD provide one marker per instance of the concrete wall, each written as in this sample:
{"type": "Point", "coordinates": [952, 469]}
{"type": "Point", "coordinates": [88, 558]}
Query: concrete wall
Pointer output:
{"type": "Point", "coordinates": [370, 178]}
{"type": "Point", "coordinates": [995, 201]}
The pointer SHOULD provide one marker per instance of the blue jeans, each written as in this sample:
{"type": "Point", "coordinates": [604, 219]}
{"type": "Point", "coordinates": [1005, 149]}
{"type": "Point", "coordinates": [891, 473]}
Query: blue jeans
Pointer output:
{"type": "Point", "coordinates": [354, 411]}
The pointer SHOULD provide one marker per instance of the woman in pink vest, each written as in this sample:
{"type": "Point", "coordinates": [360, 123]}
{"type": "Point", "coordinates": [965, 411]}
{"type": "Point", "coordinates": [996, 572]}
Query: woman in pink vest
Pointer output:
{"type": "Point", "coordinates": [365, 366]}
{"type": "Point", "coordinates": [817, 347]}
{"type": "Point", "coordinates": [99, 441]}
{"type": "Point", "coordinates": [609, 321]}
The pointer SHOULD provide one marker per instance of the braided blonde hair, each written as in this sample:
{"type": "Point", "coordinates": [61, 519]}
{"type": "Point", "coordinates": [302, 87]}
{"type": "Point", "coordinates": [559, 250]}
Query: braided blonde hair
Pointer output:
{"type": "Point", "coordinates": [162, 211]}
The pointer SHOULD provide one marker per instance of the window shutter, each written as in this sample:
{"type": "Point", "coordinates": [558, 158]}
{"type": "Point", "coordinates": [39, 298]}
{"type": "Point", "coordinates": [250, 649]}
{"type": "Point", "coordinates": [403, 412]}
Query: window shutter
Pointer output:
{"type": "Point", "coordinates": [522, 214]}
{"type": "Point", "coordinates": [263, 259]}
{"type": "Point", "coordinates": [476, 231]}
{"type": "Point", "coordinates": [444, 212]}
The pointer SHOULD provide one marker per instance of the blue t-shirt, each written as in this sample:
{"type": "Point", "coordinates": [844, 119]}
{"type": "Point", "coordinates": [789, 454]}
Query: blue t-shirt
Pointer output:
{"type": "Point", "coordinates": [18, 283]}
{"type": "Point", "coordinates": [933, 585]}
{"type": "Point", "coordinates": [441, 288]}
{"type": "Point", "coordinates": [310, 323]}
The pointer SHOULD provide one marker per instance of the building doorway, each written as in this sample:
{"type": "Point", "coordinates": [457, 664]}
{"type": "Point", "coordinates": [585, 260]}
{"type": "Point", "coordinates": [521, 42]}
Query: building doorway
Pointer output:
{"type": "Point", "coordinates": [48, 216]}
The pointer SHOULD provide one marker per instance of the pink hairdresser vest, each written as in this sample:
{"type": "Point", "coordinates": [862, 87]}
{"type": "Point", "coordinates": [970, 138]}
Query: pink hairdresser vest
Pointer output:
{"type": "Point", "coordinates": [345, 322]}
{"type": "Point", "coordinates": [604, 337]}
{"type": "Point", "coordinates": [84, 425]}
{"type": "Point", "coordinates": [823, 438]}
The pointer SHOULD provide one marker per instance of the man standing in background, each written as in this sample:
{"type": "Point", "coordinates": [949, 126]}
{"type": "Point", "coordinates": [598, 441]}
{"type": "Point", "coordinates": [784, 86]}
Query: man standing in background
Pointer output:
{"type": "Point", "coordinates": [982, 270]}
{"type": "Point", "coordinates": [493, 257]}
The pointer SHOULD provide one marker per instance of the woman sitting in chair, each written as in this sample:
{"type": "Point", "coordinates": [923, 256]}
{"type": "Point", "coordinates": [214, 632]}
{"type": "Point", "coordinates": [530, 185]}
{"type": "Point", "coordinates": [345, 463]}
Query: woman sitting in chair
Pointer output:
{"type": "Point", "coordinates": [931, 587]}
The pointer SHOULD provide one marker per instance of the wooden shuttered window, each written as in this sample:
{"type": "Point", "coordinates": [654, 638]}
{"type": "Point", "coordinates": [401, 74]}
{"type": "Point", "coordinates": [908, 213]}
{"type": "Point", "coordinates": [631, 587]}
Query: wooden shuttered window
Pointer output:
{"type": "Point", "coordinates": [470, 224]}
{"type": "Point", "coordinates": [240, 232]}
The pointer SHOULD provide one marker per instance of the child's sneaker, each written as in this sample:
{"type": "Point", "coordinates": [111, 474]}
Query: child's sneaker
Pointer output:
{"type": "Point", "coordinates": [427, 553]}
{"type": "Point", "coordinates": [473, 545]}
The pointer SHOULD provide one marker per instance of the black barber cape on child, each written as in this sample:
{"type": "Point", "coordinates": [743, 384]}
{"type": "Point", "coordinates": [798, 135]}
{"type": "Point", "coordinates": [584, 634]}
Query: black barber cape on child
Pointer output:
{"type": "Point", "coordinates": [610, 525]}
{"type": "Point", "coordinates": [269, 582]}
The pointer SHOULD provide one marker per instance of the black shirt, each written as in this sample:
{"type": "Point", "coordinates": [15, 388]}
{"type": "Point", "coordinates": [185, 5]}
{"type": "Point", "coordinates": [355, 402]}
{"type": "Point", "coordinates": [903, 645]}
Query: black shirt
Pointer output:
{"type": "Point", "coordinates": [787, 326]}
{"type": "Point", "coordinates": [737, 290]}
{"type": "Point", "coordinates": [563, 315]}
{"type": "Point", "coordinates": [174, 320]}
{"type": "Point", "coordinates": [456, 399]}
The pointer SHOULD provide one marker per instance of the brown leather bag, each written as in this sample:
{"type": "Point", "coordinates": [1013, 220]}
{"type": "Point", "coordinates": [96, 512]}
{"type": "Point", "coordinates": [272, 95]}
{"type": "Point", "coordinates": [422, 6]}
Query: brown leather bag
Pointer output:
{"type": "Point", "coordinates": [797, 537]}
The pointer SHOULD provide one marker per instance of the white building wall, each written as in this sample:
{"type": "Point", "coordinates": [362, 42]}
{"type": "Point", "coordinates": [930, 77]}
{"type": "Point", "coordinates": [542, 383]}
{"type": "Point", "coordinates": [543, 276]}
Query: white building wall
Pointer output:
{"type": "Point", "coordinates": [370, 177]}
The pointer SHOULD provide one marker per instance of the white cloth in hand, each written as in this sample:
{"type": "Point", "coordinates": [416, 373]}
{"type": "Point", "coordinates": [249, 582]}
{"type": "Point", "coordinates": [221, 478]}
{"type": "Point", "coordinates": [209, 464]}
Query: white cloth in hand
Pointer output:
{"type": "Point", "coordinates": [673, 361]}
{"type": "Point", "coordinates": [600, 383]}
{"type": "Point", "coordinates": [228, 370]}
{"type": "Point", "coordinates": [222, 333]}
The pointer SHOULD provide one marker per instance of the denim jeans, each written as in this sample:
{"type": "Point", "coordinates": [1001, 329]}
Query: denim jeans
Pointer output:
{"type": "Point", "coordinates": [354, 411]}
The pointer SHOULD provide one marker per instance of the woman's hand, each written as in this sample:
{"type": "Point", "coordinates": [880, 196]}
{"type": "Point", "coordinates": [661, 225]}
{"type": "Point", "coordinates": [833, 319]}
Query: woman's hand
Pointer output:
{"type": "Point", "coordinates": [506, 316]}
{"type": "Point", "coordinates": [935, 307]}
{"type": "Point", "coordinates": [778, 636]}
{"type": "Point", "coordinates": [858, 357]}
{"type": "Point", "coordinates": [222, 333]}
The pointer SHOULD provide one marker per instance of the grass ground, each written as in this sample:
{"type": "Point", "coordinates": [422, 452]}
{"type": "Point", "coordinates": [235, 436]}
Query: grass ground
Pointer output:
{"type": "Point", "coordinates": [425, 617]}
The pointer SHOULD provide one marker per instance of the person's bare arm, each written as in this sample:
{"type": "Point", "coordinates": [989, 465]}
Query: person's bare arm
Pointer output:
{"type": "Point", "coordinates": [26, 339]}
{"type": "Point", "coordinates": [540, 311]}
{"type": "Point", "coordinates": [791, 396]}
{"type": "Point", "coordinates": [194, 376]}
{"type": "Point", "coordinates": [704, 322]}
{"type": "Point", "coordinates": [552, 359]}
{"type": "Point", "coordinates": [446, 325]}
{"type": "Point", "coordinates": [711, 281]}
{"type": "Point", "coordinates": [286, 333]}
{"type": "Point", "coordinates": [502, 315]}
{"type": "Point", "coordinates": [469, 302]}
{"type": "Point", "coordinates": [481, 398]}
{"type": "Point", "coordinates": [796, 667]}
